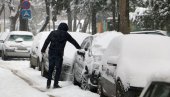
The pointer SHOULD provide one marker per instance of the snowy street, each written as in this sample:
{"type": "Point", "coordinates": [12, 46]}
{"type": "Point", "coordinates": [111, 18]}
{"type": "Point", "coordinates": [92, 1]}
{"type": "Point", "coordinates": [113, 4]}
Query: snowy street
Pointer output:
{"type": "Point", "coordinates": [19, 80]}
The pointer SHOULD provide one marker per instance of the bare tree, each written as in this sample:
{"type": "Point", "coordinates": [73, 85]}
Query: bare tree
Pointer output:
{"type": "Point", "coordinates": [2, 8]}
{"type": "Point", "coordinates": [47, 17]}
{"type": "Point", "coordinates": [14, 15]}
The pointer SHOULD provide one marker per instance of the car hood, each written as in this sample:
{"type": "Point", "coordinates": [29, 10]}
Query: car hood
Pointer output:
{"type": "Point", "coordinates": [138, 74]}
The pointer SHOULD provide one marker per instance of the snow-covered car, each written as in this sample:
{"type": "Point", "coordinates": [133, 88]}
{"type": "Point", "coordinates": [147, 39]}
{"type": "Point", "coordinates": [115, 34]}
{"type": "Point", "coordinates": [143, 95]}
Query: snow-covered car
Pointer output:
{"type": "Point", "coordinates": [68, 58]}
{"type": "Point", "coordinates": [156, 88]}
{"type": "Point", "coordinates": [134, 60]}
{"type": "Point", "coordinates": [3, 36]}
{"type": "Point", "coordinates": [36, 56]}
{"type": "Point", "coordinates": [88, 61]}
{"type": "Point", "coordinates": [153, 32]}
{"type": "Point", "coordinates": [17, 44]}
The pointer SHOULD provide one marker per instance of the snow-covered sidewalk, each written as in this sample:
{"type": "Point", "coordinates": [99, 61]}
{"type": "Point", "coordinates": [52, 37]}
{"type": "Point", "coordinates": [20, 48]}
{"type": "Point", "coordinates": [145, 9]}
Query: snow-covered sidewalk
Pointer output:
{"type": "Point", "coordinates": [12, 86]}
{"type": "Point", "coordinates": [34, 79]}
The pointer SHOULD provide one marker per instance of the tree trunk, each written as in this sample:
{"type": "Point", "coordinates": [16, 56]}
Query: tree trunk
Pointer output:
{"type": "Point", "coordinates": [47, 17]}
{"type": "Point", "coordinates": [94, 30]}
{"type": "Point", "coordinates": [75, 20]}
{"type": "Point", "coordinates": [2, 8]}
{"type": "Point", "coordinates": [113, 14]}
{"type": "Point", "coordinates": [86, 22]}
{"type": "Point", "coordinates": [69, 16]}
{"type": "Point", "coordinates": [124, 16]}
{"type": "Point", "coordinates": [75, 16]}
{"type": "Point", "coordinates": [13, 18]}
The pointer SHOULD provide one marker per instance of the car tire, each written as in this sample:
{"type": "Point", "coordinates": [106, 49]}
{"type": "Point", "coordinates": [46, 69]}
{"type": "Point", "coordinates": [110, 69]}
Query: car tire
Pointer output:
{"type": "Point", "coordinates": [120, 92]}
{"type": "Point", "coordinates": [100, 90]}
{"type": "Point", "coordinates": [39, 64]}
{"type": "Point", "coordinates": [75, 82]}
{"type": "Point", "coordinates": [3, 56]}
{"type": "Point", "coordinates": [31, 66]}
{"type": "Point", "coordinates": [85, 83]}
{"type": "Point", "coordinates": [44, 73]}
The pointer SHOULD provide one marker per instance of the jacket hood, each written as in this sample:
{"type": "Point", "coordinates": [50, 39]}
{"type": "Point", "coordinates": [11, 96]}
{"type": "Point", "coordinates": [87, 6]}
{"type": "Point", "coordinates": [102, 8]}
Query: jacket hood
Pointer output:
{"type": "Point", "coordinates": [63, 27]}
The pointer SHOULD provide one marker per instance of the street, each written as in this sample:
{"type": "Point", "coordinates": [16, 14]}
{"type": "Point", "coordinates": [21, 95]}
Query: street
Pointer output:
{"type": "Point", "coordinates": [19, 80]}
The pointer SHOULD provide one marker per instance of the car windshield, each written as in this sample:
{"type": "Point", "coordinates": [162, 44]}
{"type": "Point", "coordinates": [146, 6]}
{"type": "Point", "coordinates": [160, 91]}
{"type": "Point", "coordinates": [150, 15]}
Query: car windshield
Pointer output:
{"type": "Point", "coordinates": [24, 37]}
{"type": "Point", "coordinates": [159, 90]}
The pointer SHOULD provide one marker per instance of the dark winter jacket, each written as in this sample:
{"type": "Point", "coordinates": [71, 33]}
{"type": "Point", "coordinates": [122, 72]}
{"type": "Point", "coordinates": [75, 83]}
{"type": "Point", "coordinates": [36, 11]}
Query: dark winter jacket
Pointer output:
{"type": "Point", "coordinates": [58, 39]}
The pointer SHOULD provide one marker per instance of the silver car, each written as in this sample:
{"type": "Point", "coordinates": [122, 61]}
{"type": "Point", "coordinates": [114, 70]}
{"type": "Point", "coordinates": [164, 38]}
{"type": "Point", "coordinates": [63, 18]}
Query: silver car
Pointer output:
{"type": "Point", "coordinates": [17, 44]}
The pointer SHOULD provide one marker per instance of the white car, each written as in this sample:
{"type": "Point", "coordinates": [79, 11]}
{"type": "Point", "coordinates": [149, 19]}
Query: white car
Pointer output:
{"type": "Point", "coordinates": [36, 56]}
{"type": "Point", "coordinates": [134, 60]}
{"type": "Point", "coordinates": [87, 63]}
{"type": "Point", "coordinates": [17, 44]}
{"type": "Point", "coordinates": [3, 36]}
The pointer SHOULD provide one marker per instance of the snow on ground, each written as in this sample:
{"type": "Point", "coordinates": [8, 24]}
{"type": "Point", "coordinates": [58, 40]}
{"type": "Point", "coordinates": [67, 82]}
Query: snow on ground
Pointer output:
{"type": "Point", "coordinates": [12, 86]}
{"type": "Point", "coordinates": [33, 77]}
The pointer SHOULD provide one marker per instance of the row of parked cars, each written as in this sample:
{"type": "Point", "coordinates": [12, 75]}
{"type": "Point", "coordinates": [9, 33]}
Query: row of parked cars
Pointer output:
{"type": "Point", "coordinates": [111, 63]}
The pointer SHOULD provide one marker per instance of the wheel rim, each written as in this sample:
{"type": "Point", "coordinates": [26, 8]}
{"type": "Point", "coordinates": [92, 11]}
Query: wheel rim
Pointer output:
{"type": "Point", "coordinates": [84, 83]}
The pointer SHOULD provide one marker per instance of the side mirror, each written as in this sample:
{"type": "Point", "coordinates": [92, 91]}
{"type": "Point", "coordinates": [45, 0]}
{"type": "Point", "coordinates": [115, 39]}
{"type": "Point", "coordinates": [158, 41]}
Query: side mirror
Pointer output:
{"type": "Point", "coordinates": [112, 61]}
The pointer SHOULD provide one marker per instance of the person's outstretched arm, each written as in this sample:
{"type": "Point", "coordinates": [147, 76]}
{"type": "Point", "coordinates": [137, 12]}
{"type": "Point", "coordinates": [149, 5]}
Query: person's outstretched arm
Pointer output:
{"type": "Point", "coordinates": [73, 41]}
{"type": "Point", "coordinates": [47, 41]}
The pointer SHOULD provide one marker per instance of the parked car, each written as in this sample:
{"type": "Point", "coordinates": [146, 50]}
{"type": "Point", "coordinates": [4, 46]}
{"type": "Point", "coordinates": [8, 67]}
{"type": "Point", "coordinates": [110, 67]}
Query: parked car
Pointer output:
{"type": "Point", "coordinates": [68, 58]}
{"type": "Point", "coordinates": [153, 32]}
{"type": "Point", "coordinates": [3, 36]}
{"type": "Point", "coordinates": [36, 56]}
{"type": "Point", "coordinates": [133, 60]}
{"type": "Point", "coordinates": [17, 44]}
{"type": "Point", "coordinates": [156, 88]}
{"type": "Point", "coordinates": [87, 61]}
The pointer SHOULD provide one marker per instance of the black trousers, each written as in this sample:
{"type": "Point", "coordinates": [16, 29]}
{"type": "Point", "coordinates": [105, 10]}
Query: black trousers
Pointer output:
{"type": "Point", "coordinates": [55, 61]}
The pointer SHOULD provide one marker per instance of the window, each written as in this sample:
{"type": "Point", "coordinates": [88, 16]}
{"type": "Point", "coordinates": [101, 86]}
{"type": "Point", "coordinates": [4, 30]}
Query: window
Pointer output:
{"type": "Point", "coordinates": [24, 37]}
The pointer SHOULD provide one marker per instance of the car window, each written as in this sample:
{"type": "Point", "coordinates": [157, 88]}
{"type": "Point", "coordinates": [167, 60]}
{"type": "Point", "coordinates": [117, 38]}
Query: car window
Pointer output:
{"type": "Point", "coordinates": [158, 90]}
{"type": "Point", "coordinates": [24, 37]}
{"type": "Point", "coordinates": [87, 43]}
{"type": "Point", "coordinates": [86, 40]}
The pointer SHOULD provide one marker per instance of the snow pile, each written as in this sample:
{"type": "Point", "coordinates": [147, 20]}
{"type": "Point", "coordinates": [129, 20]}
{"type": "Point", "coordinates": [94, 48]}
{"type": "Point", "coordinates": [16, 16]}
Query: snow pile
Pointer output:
{"type": "Point", "coordinates": [138, 12]}
{"type": "Point", "coordinates": [143, 57]}
{"type": "Point", "coordinates": [101, 41]}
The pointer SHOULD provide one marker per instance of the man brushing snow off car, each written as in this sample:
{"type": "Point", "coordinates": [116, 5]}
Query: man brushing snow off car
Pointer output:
{"type": "Point", "coordinates": [57, 40]}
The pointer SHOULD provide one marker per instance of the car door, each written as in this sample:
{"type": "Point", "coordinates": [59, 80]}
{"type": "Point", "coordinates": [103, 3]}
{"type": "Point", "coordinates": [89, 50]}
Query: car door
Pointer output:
{"type": "Point", "coordinates": [81, 58]}
{"type": "Point", "coordinates": [34, 50]}
{"type": "Point", "coordinates": [109, 80]}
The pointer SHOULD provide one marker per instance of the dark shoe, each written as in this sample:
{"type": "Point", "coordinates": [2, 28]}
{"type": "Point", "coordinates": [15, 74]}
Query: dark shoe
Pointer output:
{"type": "Point", "coordinates": [48, 84]}
{"type": "Point", "coordinates": [56, 86]}
{"type": "Point", "coordinates": [48, 87]}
